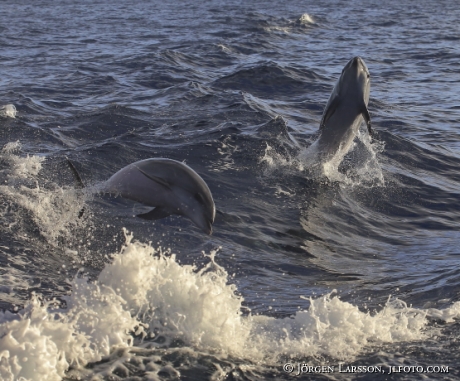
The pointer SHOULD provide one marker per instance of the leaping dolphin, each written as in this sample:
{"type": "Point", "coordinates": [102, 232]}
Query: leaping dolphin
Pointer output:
{"type": "Point", "coordinates": [170, 186]}
{"type": "Point", "coordinates": [345, 110]}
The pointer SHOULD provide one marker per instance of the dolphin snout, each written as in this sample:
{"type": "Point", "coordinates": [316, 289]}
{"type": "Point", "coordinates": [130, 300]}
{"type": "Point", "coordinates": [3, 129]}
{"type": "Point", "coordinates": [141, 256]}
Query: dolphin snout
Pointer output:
{"type": "Point", "coordinates": [204, 225]}
{"type": "Point", "coordinates": [357, 62]}
{"type": "Point", "coordinates": [207, 228]}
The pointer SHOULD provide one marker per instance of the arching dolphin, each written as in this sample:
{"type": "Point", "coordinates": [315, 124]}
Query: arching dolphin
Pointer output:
{"type": "Point", "coordinates": [345, 110]}
{"type": "Point", "coordinates": [170, 186]}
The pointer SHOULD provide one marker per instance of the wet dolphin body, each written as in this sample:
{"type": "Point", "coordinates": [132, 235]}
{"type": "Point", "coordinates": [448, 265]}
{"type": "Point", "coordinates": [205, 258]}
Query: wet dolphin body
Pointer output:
{"type": "Point", "coordinates": [345, 110]}
{"type": "Point", "coordinates": [170, 186]}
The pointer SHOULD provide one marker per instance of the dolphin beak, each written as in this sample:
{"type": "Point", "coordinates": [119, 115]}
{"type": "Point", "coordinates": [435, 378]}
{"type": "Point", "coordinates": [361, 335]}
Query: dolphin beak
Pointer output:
{"type": "Point", "coordinates": [359, 63]}
{"type": "Point", "coordinates": [208, 230]}
{"type": "Point", "coordinates": [355, 62]}
{"type": "Point", "coordinates": [201, 221]}
{"type": "Point", "coordinates": [208, 227]}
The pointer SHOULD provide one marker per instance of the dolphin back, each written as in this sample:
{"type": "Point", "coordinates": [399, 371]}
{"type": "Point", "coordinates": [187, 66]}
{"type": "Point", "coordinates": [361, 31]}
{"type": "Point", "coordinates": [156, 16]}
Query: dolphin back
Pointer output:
{"type": "Point", "coordinates": [172, 172]}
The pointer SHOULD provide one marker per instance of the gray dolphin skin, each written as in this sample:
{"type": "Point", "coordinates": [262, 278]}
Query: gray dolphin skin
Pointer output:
{"type": "Point", "coordinates": [345, 110]}
{"type": "Point", "coordinates": [170, 186]}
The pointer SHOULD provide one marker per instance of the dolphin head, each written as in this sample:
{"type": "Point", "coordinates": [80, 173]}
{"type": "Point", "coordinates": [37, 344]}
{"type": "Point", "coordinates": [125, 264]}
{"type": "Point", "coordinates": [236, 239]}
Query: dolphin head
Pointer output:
{"type": "Point", "coordinates": [184, 191]}
{"type": "Point", "coordinates": [196, 201]}
{"type": "Point", "coordinates": [197, 205]}
{"type": "Point", "coordinates": [204, 215]}
{"type": "Point", "coordinates": [355, 80]}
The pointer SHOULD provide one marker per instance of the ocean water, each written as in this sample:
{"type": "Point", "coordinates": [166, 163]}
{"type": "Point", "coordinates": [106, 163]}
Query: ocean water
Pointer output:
{"type": "Point", "coordinates": [358, 266]}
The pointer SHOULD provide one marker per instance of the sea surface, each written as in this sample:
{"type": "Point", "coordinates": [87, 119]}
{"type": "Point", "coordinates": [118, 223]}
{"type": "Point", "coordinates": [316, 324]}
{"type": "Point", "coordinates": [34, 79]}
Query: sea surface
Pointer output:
{"type": "Point", "coordinates": [358, 266]}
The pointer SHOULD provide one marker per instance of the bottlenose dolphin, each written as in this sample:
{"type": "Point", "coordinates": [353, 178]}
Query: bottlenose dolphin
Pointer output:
{"type": "Point", "coordinates": [345, 110]}
{"type": "Point", "coordinates": [170, 186]}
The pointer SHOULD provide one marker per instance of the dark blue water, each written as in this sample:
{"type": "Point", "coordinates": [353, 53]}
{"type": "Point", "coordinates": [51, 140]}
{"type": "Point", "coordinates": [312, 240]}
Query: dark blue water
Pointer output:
{"type": "Point", "coordinates": [236, 91]}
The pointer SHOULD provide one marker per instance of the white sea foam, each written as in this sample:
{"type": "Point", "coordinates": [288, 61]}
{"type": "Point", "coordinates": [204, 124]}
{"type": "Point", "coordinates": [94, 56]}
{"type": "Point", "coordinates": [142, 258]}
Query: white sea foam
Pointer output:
{"type": "Point", "coordinates": [21, 167]}
{"type": "Point", "coordinates": [224, 48]}
{"type": "Point", "coordinates": [274, 161]}
{"type": "Point", "coordinates": [145, 292]}
{"type": "Point", "coordinates": [363, 166]}
{"type": "Point", "coordinates": [53, 208]}
{"type": "Point", "coordinates": [8, 110]}
{"type": "Point", "coordinates": [306, 19]}
{"type": "Point", "coordinates": [275, 28]}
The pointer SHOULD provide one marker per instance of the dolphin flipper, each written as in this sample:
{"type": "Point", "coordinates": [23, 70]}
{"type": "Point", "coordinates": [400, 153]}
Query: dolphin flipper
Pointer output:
{"type": "Point", "coordinates": [330, 109]}
{"type": "Point", "coordinates": [367, 118]}
{"type": "Point", "coordinates": [155, 214]}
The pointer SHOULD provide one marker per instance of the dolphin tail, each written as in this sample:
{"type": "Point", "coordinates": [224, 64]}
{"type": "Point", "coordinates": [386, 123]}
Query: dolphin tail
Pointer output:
{"type": "Point", "coordinates": [367, 118]}
{"type": "Point", "coordinates": [155, 214]}
{"type": "Point", "coordinates": [79, 181]}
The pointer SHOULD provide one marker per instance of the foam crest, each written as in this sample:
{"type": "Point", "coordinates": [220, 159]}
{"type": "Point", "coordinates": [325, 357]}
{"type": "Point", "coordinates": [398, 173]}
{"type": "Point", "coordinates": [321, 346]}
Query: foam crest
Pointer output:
{"type": "Point", "coordinates": [54, 212]}
{"type": "Point", "coordinates": [276, 28]}
{"type": "Point", "coordinates": [448, 315]}
{"type": "Point", "coordinates": [42, 343]}
{"type": "Point", "coordinates": [8, 111]}
{"type": "Point", "coordinates": [199, 307]}
{"type": "Point", "coordinates": [146, 293]}
{"type": "Point", "coordinates": [34, 344]}
{"type": "Point", "coordinates": [335, 328]}
{"type": "Point", "coordinates": [22, 167]}
{"type": "Point", "coordinates": [53, 209]}
{"type": "Point", "coordinates": [306, 19]}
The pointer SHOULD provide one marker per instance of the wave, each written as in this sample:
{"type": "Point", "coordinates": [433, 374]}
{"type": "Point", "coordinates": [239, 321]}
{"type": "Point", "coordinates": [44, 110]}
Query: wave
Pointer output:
{"type": "Point", "coordinates": [270, 78]}
{"type": "Point", "coordinates": [146, 299]}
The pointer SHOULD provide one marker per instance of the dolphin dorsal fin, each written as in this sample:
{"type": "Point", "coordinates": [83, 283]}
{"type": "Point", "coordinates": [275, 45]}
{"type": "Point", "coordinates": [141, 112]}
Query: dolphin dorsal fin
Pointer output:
{"type": "Point", "coordinates": [330, 110]}
{"type": "Point", "coordinates": [155, 214]}
{"type": "Point", "coordinates": [75, 173]}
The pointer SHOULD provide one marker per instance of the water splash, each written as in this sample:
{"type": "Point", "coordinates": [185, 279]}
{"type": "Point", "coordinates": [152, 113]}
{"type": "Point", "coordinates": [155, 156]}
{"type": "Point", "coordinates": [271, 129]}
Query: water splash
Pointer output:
{"type": "Point", "coordinates": [273, 161]}
{"type": "Point", "coordinates": [146, 299]}
{"type": "Point", "coordinates": [358, 166]}
{"type": "Point", "coordinates": [53, 209]}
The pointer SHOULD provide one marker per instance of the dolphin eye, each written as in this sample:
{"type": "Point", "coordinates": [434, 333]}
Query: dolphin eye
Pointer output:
{"type": "Point", "coordinates": [368, 75]}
